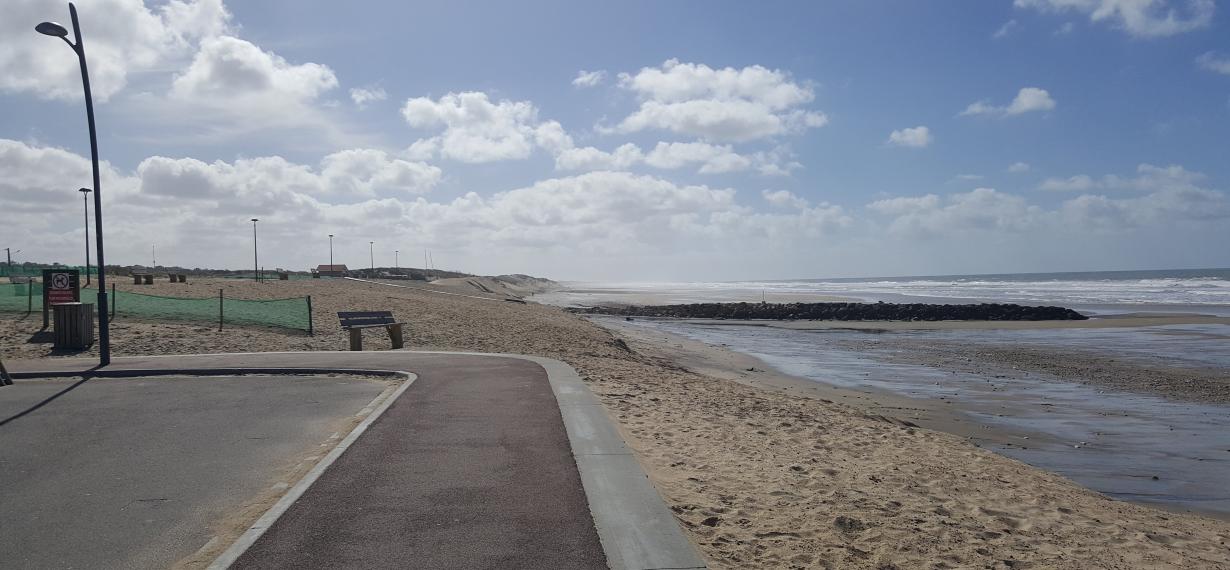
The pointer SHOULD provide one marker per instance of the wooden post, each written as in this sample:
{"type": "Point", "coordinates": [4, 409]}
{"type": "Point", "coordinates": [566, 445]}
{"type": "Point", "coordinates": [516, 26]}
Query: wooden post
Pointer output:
{"type": "Point", "coordinates": [356, 339]}
{"type": "Point", "coordinates": [219, 309]}
{"type": "Point", "coordinates": [112, 301]}
{"type": "Point", "coordinates": [310, 331]}
{"type": "Point", "coordinates": [29, 297]}
{"type": "Point", "coordinates": [395, 336]}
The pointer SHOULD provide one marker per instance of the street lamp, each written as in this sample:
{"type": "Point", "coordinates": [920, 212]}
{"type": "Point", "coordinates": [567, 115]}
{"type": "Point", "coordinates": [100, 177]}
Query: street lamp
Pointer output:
{"type": "Point", "coordinates": [256, 274]}
{"type": "Point", "coordinates": [56, 30]}
{"type": "Point", "coordinates": [330, 252]}
{"type": "Point", "coordinates": [85, 202]}
{"type": "Point", "coordinates": [396, 263]}
{"type": "Point", "coordinates": [371, 250]}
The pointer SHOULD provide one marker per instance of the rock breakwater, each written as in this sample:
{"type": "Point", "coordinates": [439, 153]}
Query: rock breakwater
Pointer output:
{"type": "Point", "coordinates": [844, 312]}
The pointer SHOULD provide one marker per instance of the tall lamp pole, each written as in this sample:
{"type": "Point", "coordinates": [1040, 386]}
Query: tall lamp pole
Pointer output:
{"type": "Point", "coordinates": [56, 30]}
{"type": "Point", "coordinates": [371, 250]}
{"type": "Point", "coordinates": [256, 273]}
{"type": "Point", "coordinates": [396, 263]}
{"type": "Point", "coordinates": [85, 202]}
{"type": "Point", "coordinates": [330, 252]}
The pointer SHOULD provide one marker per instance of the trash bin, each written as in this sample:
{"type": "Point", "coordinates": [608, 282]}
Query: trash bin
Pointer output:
{"type": "Point", "coordinates": [74, 325]}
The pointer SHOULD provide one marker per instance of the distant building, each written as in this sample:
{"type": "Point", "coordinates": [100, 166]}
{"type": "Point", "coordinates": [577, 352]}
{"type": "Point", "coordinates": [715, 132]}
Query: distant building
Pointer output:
{"type": "Point", "coordinates": [331, 270]}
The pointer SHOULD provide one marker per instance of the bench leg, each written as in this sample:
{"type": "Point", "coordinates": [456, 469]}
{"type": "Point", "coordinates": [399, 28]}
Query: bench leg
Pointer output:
{"type": "Point", "coordinates": [395, 336]}
{"type": "Point", "coordinates": [356, 339]}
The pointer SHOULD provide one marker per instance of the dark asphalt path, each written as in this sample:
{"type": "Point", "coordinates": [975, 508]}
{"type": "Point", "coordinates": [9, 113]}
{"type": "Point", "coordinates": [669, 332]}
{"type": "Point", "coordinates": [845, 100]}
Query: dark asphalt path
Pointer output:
{"type": "Point", "coordinates": [136, 473]}
{"type": "Point", "coordinates": [469, 468]}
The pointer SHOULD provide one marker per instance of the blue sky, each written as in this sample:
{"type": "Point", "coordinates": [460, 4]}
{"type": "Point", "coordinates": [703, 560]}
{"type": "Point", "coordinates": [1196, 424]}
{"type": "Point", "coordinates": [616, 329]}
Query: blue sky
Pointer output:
{"type": "Point", "coordinates": [805, 139]}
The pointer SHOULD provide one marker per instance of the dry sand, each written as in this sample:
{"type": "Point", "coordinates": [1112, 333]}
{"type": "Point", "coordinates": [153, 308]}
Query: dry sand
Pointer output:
{"type": "Point", "coordinates": [759, 478]}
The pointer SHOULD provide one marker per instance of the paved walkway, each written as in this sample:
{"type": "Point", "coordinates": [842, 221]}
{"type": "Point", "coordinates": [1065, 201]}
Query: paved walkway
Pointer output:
{"type": "Point", "coordinates": [470, 468]}
{"type": "Point", "coordinates": [136, 473]}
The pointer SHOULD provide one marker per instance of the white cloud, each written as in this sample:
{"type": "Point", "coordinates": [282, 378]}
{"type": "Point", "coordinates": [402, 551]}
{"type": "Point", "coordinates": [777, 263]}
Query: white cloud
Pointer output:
{"type": "Point", "coordinates": [348, 176]}
{"type": "Point", "coordinates": [707, 158]}
{"type": "Point", "coordinates": [915, 137]}
{"type": "Point", "coordinates": [1005, 29]}
{"type": "Point", "coordinates": [590, 158]}
{"type": "Point", "coordinates": [1149, 178]}
{"type": "Point", "coordinates": [725, 104]}
{"type": "Point", "coordinates": [122, 37]}
{"type": "Point", "coordinates": [713, 159]}
{"type": "Point", "coordinates": [1078, 183]}
{"type": "Point", "coordinates": [784, 199]}
{"type": "Point", "coordinates": [589, 78]}
{"type": "Point", "coordinates": [969, 177]}
{"type": "Point", "coordinates": [364, 95]}
{"type": "Point", "coordinates": [474, 128]}
{"type": "Point", "coordinates": [1028, 99]}
{"type": "Point", "coordinates": [1140, 18]}
{"type": "Point", "coordinates": [982, 209]}
{"type": "Point", "coordinates": [365, 194]}
{"type": "Point", "coordinates": [229, 71]}
{"type": "Point", "coordinates": [1214, 62]}
{"type": "Point", "coordinates": [1018, 167]}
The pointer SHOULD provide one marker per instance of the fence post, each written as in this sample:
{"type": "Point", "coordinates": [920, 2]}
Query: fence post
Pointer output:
{"type": "Point", "coordinates": [113, 297]}
{"type": "Point", "coordinates": [29, 297]}
{"type": "Point", "coordinates": [310, 331]}
{"type": "Point", "coordinates": [219, 309]}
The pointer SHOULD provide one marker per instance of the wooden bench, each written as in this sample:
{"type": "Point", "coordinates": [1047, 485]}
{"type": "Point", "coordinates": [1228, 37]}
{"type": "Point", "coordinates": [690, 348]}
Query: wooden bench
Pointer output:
{"type": "Point", "coordinates": [356, 321]}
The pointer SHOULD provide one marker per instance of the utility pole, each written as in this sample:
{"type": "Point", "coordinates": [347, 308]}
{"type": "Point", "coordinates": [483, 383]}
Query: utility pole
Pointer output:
{"type": "Point", "coordinates": [371, 250]}
{"type": "Point", "coordinates": [256, 266]}
{"type": "Point", "coordinates": [330, 252]}
{"type": "Point", "coordinates": [396, 263]}
{"type": "Point", "coordinates": [153, 254]}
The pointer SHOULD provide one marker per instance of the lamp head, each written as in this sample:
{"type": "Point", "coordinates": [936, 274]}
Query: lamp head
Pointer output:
{"type": "Point", "coordinates": [255, 220]}
{"type": "Point", "coordinates": [52, 29]}
{"type": "Point", "coordinates": [84, 190]}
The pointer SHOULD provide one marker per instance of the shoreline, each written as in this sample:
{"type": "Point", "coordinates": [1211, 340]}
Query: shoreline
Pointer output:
{"type": "Point", "coordinates": [873, 403]}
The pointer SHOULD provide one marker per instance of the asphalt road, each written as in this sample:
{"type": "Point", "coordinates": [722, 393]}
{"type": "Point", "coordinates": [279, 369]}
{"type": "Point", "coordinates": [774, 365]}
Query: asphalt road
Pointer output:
{"type": "Point", "coordinates": [137, 473]}
{"type": "Point", "coordinates": [469, 468]}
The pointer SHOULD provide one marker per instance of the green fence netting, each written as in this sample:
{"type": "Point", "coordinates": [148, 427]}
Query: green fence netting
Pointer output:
{"type": "Point", "coordinates": [292, 313]}
{"type": "Point", "coordinates": [37, 270]}
{"type": "Point", "coordinates": [16, 297]}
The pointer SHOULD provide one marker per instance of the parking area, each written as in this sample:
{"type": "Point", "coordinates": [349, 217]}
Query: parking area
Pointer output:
{"type": "Point", "coordinates": [151, 472]}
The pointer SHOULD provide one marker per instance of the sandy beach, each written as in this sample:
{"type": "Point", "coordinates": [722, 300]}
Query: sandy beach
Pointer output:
{"type": "Point", "coordinates": [761, 470]}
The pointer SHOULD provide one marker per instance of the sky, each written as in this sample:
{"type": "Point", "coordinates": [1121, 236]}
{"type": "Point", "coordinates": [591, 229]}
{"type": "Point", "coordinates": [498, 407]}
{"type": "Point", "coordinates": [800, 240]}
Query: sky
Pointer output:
{"type": "Point", "coordinates": [633, 141]}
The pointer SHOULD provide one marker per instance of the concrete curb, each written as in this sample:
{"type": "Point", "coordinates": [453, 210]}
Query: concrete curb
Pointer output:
{"type": "Point", "coordinates": [634, 525]}
{"type": "Point", "coordinates": [254, 532]}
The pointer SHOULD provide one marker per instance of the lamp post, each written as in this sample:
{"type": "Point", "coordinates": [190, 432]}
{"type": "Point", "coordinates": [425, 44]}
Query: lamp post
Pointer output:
{"type": "Point", "coordinates": [56, 30]}
{"type": "Point", "coordinates": [371, 250]}
{"type": "Point", "coordinates": [396, 263]}
{"type": "Point", "coordinates": [330, 252]}
{"type": "Point", "coordinates": [256, 272]}
{"type": "Point", "coordinates": [85, 202]}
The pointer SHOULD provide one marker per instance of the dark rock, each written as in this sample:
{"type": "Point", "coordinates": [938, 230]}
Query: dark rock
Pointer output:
{"type": "Point", "coordinates": [879, 311]}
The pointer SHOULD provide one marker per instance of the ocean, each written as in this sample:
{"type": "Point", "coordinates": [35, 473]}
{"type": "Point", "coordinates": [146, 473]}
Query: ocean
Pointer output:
{"type": "Point", "coordinates": [1098, 292]}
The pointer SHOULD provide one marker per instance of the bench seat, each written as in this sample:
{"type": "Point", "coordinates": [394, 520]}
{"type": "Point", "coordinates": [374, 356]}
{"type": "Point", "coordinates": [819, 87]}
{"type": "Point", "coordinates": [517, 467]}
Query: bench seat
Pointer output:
{"type": "Point", "coordinates": [356, 321]}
